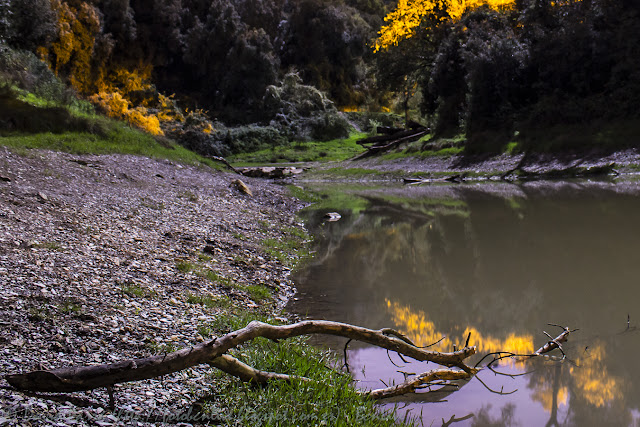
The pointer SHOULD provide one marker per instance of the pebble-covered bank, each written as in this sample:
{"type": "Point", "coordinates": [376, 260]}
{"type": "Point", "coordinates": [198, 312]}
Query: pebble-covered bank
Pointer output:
{"type": "Point", "coordinates": [104, 258]}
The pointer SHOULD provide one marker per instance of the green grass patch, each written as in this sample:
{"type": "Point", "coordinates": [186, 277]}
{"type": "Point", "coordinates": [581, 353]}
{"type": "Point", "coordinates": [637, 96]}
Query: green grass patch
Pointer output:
{"type": "Point", "coordinates": [135, 290]}
{"type": "Point", "coordinates": [308, 151]}
{"type": "Point", "coordinates": [204, 257]}
{"type": "Point", "coordinates": [339, 198]}
{"type": "Point", "coordinates": [351, 172]}
{"type": "Point", "coordinates": [52, 246]}
{"type": "Point", "coordinates": [188, 195]}
{"type": "Point", "coordinates": [443, 152]}
{"type": "Point", "coordinates": [290, 249]}
{"type": "Point", "coordinates": [258, 293]}
{"type": "Point", "coordinates": [302, 194]}
{"type": "Point", "coordinates": [209, 301]}
{"type": "Point", "coordinates": [185, 266]}
{"type": "Point", "coordinates": [329, 399]}
{"type": "Point", "coordinates": [512, 148]}
{"type": "Point", "coordinates": [69, 307]}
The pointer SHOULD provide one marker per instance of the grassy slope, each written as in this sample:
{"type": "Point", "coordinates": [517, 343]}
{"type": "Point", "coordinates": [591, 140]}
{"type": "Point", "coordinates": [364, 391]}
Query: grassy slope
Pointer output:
{"type": "Point", "coordinates": [312, 151]}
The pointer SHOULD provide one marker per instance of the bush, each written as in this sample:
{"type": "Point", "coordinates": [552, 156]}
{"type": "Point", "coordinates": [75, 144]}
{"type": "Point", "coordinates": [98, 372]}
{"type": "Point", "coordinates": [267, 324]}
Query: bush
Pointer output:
{"type": "Point", "coordinates": [26, 71]}
{"type": "Point", "coordinates": [302, 112]}
{"type": "Point", "coordinates": [200, 142]}
{"type": "Point", "coordinates": [367, 121]}
{"type": "Point", "coordinates": [253, 138]}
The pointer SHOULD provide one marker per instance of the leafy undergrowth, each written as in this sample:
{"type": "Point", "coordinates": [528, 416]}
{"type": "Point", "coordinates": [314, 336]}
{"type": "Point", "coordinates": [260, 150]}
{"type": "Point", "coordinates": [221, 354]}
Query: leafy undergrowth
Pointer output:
{"type": "Point", "coordinates": [328, 399]}
{"type": "Point", "coordinates": [310, 151]}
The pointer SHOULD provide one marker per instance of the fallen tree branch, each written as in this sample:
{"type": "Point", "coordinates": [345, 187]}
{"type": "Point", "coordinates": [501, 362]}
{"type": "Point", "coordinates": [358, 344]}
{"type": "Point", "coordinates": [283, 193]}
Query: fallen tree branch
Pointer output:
{"type": "Point", "coordinates": [246, 373]}
{"type": "Point", "coordinates": [81, 378]}
{"type": "Point", "coordinates": [224, 162]}
{"type": "Point", "coordinates": [419, 381]}
{"type": "Point", "coordinates": [412, 136]}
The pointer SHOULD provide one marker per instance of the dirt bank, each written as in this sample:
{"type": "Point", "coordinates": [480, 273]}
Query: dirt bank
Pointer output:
{"type": "Point", "coordinates": [110, 257]}
{"type": "Point", "coordinates": [489, 166]}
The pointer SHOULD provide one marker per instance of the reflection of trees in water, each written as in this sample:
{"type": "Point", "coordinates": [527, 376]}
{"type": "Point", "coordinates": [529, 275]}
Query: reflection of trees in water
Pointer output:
{"type": "Point", "coordinates": [498, 267]}
{"type": "Point", "coordinates": [585, 386]}
{"type": "Point", "coordinates": [507, 417]}
{"type": "Point", "coordinates": [585, 383]}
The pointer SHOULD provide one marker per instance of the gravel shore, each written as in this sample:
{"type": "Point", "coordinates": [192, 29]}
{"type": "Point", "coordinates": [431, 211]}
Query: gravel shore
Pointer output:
{"type": "Point", "coordinates": [109, 257]}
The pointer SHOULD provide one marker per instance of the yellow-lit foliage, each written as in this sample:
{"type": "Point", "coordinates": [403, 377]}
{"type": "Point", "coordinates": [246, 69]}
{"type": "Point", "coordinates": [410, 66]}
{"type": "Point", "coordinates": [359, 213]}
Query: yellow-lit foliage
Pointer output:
{"type": "Point", "coordinates": [72, 53]}
{"type": "Point", "coordinates": [141, 118]}
{"type": "Point", "coordinates": [350, 109]}
{"type": "Point", "coordinates": [168, 112]}
{"type": "Point", "coordinates": [114, 105]}
{"type": "Point", "coordinates": [403, 21]}
{"type": "Point", "coordinates": [73, 50]}
{"type": "Point", "coordinates": [422, 332]}
{"type": "Point", "coordinates": [113, 97]}
{"type": "Point", "coordinates": [592, 380]}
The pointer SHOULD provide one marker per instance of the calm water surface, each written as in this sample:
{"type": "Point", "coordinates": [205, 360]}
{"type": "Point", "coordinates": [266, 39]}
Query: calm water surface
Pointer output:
{"type": "Point", "coordinates": [500, 261]}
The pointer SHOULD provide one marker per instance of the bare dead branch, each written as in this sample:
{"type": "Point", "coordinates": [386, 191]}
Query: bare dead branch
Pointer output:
{"type": "Point", "coordinates": [412, 384]}
{"type": "Point", "coordinates": [432, 344]}
{"type": "Point", "coordinates": [224, 162]}
{"type": "Point", "coordinates": [453, 419]}
{"type": "Point", "coordinates": [246, 373]}
{"type": "Point", "coordinates": [80, 378]}
{"type": "Point", "coordinates": [501, 392]}
{"type": "Point", "coordinates": [346, 364]}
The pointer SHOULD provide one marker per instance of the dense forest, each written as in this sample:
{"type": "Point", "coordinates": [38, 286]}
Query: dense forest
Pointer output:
{"type": "Point", "coordinates": [277, 70]}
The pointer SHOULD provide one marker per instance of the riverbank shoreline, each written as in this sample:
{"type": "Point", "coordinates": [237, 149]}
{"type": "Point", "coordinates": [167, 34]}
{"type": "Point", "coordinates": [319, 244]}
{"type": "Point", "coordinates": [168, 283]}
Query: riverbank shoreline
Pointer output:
{"type": "Point", "coordinates": [111, 257]}
{"type": "Point", "coordinates": [459, 167]}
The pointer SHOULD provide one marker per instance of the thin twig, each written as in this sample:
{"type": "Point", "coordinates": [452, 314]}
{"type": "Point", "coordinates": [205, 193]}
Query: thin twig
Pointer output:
{"type": "Point", "coordinates": [346, 364]}
{"type": "Point", "coordinates": [431, 345]}
{"type": "Point", "coordinates": [493, 391]}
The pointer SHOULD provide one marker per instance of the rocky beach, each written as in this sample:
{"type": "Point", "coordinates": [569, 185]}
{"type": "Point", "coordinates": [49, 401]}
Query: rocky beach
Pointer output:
{"type": "Point", "coordinates": [110, 257]}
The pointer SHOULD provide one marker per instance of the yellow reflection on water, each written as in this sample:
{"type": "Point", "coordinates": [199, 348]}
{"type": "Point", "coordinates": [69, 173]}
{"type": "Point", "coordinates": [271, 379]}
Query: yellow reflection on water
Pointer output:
{"type": "Point", "coordinates": [543, 393]}
{"type": "Point", "coordinates": [420, 330]}
{"type": "Point", "coordinates": [592, 380]}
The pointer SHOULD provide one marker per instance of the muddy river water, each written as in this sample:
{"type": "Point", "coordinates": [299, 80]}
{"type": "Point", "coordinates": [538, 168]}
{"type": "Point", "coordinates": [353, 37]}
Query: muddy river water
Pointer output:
{"type": "Point", "coordinates": [501, 261]}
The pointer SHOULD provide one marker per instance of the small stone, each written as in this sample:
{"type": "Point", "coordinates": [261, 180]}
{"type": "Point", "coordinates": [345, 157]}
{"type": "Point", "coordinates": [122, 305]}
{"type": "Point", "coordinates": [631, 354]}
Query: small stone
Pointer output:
{"type": "Point", "coordinates": [17, 342]}
{"type": "Point", "coordinates": [332, 216]}
{"type": "Point", "coordinates": [241, 187]}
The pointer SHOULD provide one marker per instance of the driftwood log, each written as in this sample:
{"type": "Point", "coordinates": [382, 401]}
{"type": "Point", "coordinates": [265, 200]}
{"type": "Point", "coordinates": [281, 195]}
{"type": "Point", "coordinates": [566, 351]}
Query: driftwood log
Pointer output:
{"type": "Point", "coordinates": [213, 352]}
{"type": "Point", "coordinates": [382, 143]}
{"type": "Point", "coordinates": [389, 138]}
